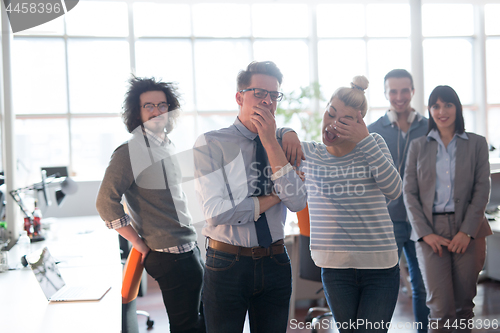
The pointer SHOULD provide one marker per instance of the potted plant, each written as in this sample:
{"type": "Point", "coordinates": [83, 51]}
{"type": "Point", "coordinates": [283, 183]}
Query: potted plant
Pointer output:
{"type": "Point", "coordinates": [299, 105]}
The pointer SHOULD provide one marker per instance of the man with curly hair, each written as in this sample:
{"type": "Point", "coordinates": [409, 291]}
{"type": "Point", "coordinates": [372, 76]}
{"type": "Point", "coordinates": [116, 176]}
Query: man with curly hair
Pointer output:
{"type": "Point", "coordinates": [146, 173]}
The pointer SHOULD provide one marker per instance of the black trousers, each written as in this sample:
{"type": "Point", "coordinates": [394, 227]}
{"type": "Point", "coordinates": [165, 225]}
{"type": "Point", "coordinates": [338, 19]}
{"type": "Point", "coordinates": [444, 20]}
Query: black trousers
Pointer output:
{"type": "Point", "coordinates": [180, 278]}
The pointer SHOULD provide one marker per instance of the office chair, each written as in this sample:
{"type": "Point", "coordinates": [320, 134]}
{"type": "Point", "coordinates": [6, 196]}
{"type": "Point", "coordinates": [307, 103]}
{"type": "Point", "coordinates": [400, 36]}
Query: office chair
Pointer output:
{"type": "Point", "coordinates": [132, 274]}
{"type": "Point", "coordinates": [308, 269]}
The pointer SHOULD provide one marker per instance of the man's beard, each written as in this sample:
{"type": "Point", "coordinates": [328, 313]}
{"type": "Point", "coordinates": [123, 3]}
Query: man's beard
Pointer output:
{"type": "Point", "coordinates": [171, 120]}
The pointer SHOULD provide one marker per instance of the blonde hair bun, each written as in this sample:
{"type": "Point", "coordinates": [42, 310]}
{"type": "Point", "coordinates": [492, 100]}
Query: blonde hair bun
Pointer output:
{"type": "Point", "coordinates": [359, 82]}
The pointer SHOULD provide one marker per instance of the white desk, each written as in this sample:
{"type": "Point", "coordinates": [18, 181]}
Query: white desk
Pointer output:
{"type": "Point", "coordinates": [87, 250]}
{"type": "Point", "coordinates": [492, 265]}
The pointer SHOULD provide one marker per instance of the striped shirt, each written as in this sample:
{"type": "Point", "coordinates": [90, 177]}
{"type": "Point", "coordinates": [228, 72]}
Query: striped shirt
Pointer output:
{"type": "Point", "coordinates": [350, 223]}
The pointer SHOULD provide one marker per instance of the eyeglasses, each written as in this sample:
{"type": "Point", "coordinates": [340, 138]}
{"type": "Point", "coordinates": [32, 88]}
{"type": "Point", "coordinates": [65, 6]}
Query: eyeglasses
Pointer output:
{"type": "Point", "coordinates": [162, 107]}
{"type": "Point", "coordinates": [262, 93]}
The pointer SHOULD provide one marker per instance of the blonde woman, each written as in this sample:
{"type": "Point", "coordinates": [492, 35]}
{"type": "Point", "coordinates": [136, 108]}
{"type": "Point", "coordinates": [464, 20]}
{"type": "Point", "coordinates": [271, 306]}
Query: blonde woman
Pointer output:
{"type": "Point", "coordinates": [349, 176]}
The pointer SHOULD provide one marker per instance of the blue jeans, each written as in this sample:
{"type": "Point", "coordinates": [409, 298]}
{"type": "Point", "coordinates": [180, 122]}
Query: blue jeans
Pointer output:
{"type": "Point", "coordinates": [361, 300]}
{"type": "Point", "coordinates": [236, 284]}
{"type": "Point", "coordinates": [402, 231]}
{"type": "Point", "coordinates": [180, 277]}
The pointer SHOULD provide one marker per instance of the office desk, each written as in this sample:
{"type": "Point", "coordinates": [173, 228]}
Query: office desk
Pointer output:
{"type": "Point", "coordinates": [492, 265]}
{"type": "Point", "coordinates": [87, 250]}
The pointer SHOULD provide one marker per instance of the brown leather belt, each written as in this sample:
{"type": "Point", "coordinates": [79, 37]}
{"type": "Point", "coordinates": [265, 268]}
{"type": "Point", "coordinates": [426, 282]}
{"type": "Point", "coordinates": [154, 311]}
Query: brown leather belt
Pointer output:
{"type": "Point", "coordinates": [277, 247]}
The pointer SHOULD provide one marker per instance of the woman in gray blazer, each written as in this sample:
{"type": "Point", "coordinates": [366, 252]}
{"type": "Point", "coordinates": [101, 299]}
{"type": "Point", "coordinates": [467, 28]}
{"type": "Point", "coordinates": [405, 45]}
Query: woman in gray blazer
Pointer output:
{"type": "Point", "coordinates": [446, 189]}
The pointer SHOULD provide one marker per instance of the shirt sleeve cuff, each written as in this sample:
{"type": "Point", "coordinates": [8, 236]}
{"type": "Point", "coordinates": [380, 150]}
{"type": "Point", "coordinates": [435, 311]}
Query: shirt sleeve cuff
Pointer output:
{"type": "Point", "coordinates": [281, 172]}
{"type": "Point", "coordinates": [256, 211]}
{"type": "Point", "coordinates": [282, 131]}
{"type": "Point", "coordinates": [123, 221]}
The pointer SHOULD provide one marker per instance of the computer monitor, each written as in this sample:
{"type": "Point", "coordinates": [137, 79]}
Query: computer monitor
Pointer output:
{"type": "Point", "coordinates": [56, 172]}
{"type": "Point", "coordinates": [60, 171]}
{"type": "Point", "coordinates": [494, 203]}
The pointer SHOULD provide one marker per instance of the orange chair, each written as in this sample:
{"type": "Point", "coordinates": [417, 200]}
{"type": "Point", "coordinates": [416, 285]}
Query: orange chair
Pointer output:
{"type": "Point", "coordinates": [303, 221]}
{"type": "Point", "coordinates": [308, 269]}
{"type": "Point", "coordinates": [132, 274]}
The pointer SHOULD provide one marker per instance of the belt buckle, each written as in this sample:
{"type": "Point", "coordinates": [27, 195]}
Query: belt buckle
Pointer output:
{"type": "Point", "coordinates": [258, 252]}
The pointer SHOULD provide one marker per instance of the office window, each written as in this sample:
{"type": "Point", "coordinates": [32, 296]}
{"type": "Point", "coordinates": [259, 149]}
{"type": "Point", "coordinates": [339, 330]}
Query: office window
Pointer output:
{"type": "Point", "coordinates": [382, 20]}
{"type": "Point", "coordinates": [40, 142]}
{"type": "Point", "coordinates": [339, 61]}
{"type": "Point", "coordinates": [216, 64]}
{"type": "Point", "coordinates": [279, 20]}
{"type": "Point", "coordinates": [98, 73]}
{"type": "Point", "coordinates": [447, 20]}
{"type": "Point", "coordinates": [491, 15]}
{"type": "Point", "coordinates": [449, 62]}
{"type": "Point", "coordinates": [184, 133]}
{"type": "Point", "coordinates": [93, 142]}
{"type": "Point", "coordinates": [98, 18]}
{"type": "Point", "coordinates": [492, 30]}
{"type": "Point", "coordinates": [158, 19]}
{"type": "Point", "coordinates": [39, 76]}
{"type": "Point", "coordinates": [291, 57]}
{"type": "Point", "coordinates": [221, 20]}
{"type": "Point", "coordinates": [75, 68]}
{"type": "Point", "coordinates": [493, 70]}
{"type": "Point", "coordinates": [170, 60]}
{"type": "Point", "coordinates": [378, 48]}
{"type": "Point", "coordinates": [340, 20]}
{"type": "Point", "coordinates": [54, 27]}
{"type": "Point", "coordinates": [383, 56]}
{"type": "Point", "coordinates": [469, 119]}
{"type": "Point", "coordinates": [215, 122]}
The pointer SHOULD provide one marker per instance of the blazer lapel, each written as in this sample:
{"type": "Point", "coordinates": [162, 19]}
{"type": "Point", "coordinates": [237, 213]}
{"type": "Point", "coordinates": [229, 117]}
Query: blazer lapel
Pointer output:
{"type": "Point", "coordinates": [460, 164]}
{"type": "Point", "coordinates": [430, 188]}
{"type": "Point", "coordinates": [462, 171]}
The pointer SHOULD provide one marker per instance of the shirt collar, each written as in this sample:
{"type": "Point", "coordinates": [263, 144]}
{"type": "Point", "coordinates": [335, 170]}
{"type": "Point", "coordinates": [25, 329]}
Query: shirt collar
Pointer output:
{"type": "Point", "coordinates": [155, 138]}
{"type": "Point", "coordinates": [243, 130]}
{"type": "Point", "coordinates": [434, 134]}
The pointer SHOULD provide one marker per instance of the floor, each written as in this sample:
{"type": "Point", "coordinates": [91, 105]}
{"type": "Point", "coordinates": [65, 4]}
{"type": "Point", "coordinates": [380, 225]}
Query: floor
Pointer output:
{"type": "Point", "coordinates": [487, 307]}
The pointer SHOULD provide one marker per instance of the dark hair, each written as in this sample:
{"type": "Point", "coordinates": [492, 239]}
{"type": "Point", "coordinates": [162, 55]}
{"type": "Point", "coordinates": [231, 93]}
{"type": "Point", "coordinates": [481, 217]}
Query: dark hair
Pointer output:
{"type": "Point", "coordinates": [132, 105]}
{"type": "Point", "coordinates": [399, 73]}
{"type": "Point", "coordinates": [447, 95]}
{"type": "Point", "coordinates": [255, 67]}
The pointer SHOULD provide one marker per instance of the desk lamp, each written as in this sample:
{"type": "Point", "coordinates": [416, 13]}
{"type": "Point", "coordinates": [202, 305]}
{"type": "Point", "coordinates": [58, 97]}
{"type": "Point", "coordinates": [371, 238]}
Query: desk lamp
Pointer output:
{"type": "Point", "coordinates": [66, 186]}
